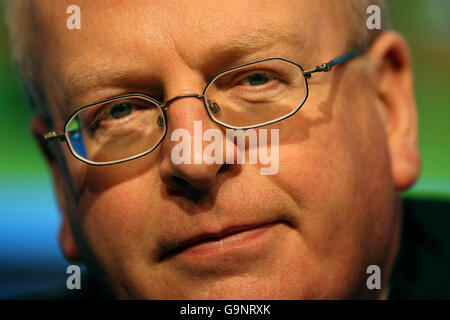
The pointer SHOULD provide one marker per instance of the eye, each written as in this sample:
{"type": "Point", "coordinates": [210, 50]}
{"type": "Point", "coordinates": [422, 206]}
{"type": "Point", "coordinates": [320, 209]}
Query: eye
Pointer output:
{"type": "Point", "coordinates": [121, 110]}
{"type": "Point", "coordinates": [256, 79]}
{"type": "Point", "coordinates": [112, 113]}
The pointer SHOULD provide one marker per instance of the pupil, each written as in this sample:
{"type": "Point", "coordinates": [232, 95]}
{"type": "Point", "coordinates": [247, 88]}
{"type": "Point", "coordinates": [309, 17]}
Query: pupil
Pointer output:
{"type": "Point", "coordinates": [258, 79]}
{"type": "Point", "coordinates": [121, 110]}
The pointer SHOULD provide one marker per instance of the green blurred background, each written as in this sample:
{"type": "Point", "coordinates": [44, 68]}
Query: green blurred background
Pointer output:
{"type": "Point", "coordinates": [425, 24]}
{"type": "Point", "coordinates": [28, 212]}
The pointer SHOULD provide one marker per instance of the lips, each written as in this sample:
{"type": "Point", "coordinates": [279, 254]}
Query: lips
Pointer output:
{"type": "Point", "coordinates": [234, 235]}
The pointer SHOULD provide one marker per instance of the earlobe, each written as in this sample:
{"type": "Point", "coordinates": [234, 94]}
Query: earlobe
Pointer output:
{"type": "Point", "coordinates": [67, 242]}
{"type": "Point", "coordinates": [39, 127]}
{"type": "Point", "coordinates": [394, 84]}
{"type": "Point", "coordinates": [405, 163]}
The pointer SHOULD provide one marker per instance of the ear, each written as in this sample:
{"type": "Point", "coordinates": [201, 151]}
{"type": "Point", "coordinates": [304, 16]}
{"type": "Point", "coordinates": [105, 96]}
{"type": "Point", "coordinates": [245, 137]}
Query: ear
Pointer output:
{"type": "Point", "coordinates": [39, 127]}
{"type": "Point", "coordinates": [391, 62]}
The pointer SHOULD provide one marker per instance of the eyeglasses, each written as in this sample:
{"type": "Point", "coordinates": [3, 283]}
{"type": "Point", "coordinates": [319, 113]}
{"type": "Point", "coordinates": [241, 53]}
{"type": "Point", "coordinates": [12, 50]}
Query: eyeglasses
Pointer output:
{"type": "Point", "coordinates": [247, 96]}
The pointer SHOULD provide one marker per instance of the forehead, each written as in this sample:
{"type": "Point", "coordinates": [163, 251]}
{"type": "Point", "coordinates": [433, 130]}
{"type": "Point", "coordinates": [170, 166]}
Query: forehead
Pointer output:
{"type": "Point", "coordinates": [168, 24]}
{"type": "Point", "coordinates": [117, 36]}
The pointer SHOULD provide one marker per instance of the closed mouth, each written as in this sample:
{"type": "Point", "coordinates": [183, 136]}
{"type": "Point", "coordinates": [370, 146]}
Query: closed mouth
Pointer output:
{"type": "Point", "coordinates": [221, 237]}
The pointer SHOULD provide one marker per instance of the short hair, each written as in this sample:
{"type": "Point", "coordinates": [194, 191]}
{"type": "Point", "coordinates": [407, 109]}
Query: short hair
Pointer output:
{"type": "Point", "coordinates": [22, 23]}
{"type": "Point", "coordinates": [356, 13]}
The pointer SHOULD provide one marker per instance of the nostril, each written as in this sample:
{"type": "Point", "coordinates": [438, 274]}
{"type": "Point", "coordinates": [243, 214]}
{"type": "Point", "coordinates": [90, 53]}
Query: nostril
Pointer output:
{"type": "Point", "coordinates": [224, 167]}
{"type": "Point", "coordinates": [180, 183]}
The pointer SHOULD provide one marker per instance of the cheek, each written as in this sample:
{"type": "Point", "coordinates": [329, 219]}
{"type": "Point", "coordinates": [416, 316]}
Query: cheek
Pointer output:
{"type": "Point", "coordinates": [117, 218]}
{"type": "Point", "coordinates": [339, 174]}
{"type": "Point", "coordinates": [330, 165]}
{"type": "Point", "coordinates": [337, 153]}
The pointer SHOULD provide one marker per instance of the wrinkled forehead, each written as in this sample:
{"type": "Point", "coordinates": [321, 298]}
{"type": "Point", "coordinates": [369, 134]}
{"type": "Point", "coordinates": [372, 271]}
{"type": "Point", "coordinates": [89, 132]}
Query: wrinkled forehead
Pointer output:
{"type": "Point", "coordinates": [195, 25]}
{"type": "Point", "coordinates": [201, 33]}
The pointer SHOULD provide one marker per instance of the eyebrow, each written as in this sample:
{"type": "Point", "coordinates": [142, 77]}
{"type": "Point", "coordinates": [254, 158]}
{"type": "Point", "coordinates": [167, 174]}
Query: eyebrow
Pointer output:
{"type": "Point", "coordinates": [263, 37]}
{"type": "Point", "coordinates": [96, 75]}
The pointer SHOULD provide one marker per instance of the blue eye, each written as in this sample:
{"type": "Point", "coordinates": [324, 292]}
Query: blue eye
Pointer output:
{"type": "Point", "coordinates": [121, 110]}
{"type": "Point", "coordinates": [258, 79]}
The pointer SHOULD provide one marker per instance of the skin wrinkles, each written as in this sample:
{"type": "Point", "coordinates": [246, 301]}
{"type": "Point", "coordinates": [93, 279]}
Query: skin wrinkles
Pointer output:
{"type": "Point", "coordinates": [110, 175]}
{"type": "Point", "coordinates": [335, 191]}
{"type": "Point", "coordinates": [225, 55]}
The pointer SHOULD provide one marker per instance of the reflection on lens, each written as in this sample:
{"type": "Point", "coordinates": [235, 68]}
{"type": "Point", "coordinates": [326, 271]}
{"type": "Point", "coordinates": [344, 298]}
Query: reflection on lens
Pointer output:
{"type": "Point", "coordinates": [256, 94]}
{"type": "Point", "coordinates": [116, 130]}
{"type": "Point", "coordinates": [76, 137]}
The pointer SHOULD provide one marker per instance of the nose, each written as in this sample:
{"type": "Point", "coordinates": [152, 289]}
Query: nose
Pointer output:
{"type": "Point", "coordinates": [186, 165]}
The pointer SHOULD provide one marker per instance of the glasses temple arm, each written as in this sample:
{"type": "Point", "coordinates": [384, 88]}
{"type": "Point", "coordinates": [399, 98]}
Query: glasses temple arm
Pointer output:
{"type": "Point", "coordinates": [52, 135]}
{"type": "Point", "coordinates": [325, 67]}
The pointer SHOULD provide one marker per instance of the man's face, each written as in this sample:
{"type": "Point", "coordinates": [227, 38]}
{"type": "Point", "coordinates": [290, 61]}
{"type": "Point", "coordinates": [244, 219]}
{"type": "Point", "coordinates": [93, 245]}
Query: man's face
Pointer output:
{"type": "Point", "coordinates": [309, 231]}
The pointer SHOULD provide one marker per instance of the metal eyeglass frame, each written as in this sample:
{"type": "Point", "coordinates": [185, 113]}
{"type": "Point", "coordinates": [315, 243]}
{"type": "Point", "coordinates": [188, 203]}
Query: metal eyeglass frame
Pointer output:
{"type": "Point", "coordinates": [324, 67]}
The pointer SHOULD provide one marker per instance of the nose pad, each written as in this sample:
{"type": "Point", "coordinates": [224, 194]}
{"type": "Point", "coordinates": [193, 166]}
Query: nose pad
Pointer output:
{"type": "Point", "coordinates": [214, 107]}
{"type": "Point", "coordinates": [160, 121]}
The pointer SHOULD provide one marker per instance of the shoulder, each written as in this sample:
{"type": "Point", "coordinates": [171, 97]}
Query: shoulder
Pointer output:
{"type": "Point", "coordinates": [423, 263]}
